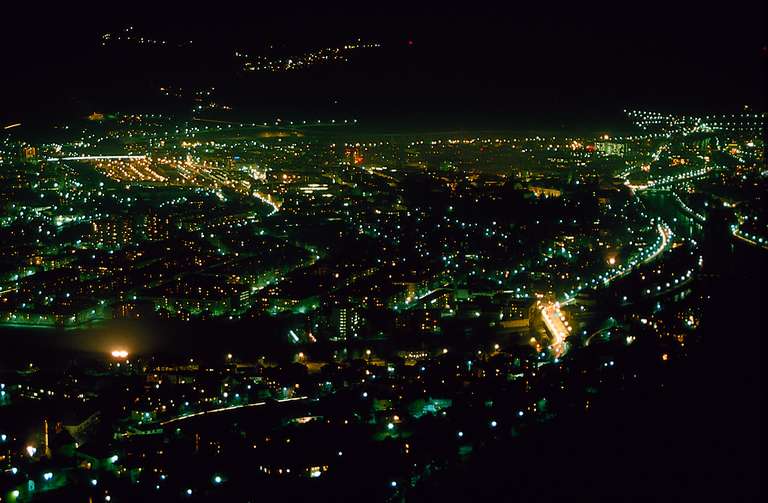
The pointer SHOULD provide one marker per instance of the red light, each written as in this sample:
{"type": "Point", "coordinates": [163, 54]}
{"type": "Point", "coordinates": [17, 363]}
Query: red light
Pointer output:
{"type": "Point", "coordinates": [410, 42]}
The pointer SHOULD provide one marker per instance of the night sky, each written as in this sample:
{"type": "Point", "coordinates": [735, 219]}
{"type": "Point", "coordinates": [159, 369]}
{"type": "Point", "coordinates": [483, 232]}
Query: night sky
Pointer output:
{"type": "Point", "coordinates": [466, 64]}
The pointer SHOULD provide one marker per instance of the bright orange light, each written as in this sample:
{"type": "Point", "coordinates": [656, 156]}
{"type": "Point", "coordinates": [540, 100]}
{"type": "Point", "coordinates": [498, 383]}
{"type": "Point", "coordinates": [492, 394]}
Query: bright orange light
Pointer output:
{"type": "Point", "coordinates": [120, 353]}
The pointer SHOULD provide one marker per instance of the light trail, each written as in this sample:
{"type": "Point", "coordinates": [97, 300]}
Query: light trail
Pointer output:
{"type": "Point", "coordinates": [216, 121]}
{"type": "Point", "coordinates": [226, 409]}
{"type": "Point", "coordinates": [11, 126]}
{"type": "Point", "coordinates": [592, 336]}
{"type": "Point", "coordinates": [94, 157]}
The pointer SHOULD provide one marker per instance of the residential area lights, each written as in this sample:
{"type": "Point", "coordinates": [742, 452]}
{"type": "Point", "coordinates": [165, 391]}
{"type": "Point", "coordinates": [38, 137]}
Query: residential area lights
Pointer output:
{"type": "Point", "coordinates": [388, 278]}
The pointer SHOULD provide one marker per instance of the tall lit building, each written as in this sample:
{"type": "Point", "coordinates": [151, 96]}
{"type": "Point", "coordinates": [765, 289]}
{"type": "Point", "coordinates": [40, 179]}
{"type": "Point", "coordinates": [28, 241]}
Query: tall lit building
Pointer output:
{"type": "Point", "coordinates": [346, 323]}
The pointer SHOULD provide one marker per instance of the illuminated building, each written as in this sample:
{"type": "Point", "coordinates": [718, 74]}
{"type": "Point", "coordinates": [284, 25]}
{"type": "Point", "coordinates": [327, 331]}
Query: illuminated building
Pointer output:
{"type": "Point", "coordinates": [611, 148]}
{"type": "Point", "coordinates": [28, 153]}
{"type": "Point", "coordinates": [346, 323]}
{"type": "Point", "coordinates": [156, 226]}
{"type": "Point", "coordinates": [112, 232]}
{"type": "Point", "coordinates": [545, 191]}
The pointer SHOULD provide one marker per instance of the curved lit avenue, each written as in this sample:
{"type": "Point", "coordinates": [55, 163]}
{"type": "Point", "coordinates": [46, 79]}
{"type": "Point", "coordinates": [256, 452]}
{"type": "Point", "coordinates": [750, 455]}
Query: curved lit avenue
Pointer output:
{"type": "Point", "coordinates": [227, 409]}
{"type": "Point", "coordinates": [554, 320]}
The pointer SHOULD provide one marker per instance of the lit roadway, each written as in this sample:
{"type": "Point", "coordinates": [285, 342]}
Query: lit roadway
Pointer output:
{"type": "Point", "coordinates": [593, 334]}
{"type": "Point", "coordinates": [757, 241]}
{"type": "Point", "coordinates": [95, 157]}
{"type": "Point", "coordinates": [226, 409]}
{"type": "Point", "coordinates": [666, 234]}
{"type": "Point", "coordinates": [268, 200]}
{"type": "Point", "coordinates": [553, 318]}
{"type": "Point", "coordinates": [557, 326]}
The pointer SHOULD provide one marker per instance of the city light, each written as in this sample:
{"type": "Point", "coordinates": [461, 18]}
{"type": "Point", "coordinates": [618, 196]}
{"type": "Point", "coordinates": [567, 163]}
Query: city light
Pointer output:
{"type": "Point", "coordinates": [337, 268]}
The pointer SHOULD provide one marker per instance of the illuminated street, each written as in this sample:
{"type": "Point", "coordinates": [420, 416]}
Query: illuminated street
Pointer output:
{"type": "Point", "coordinates": [558, 328]}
